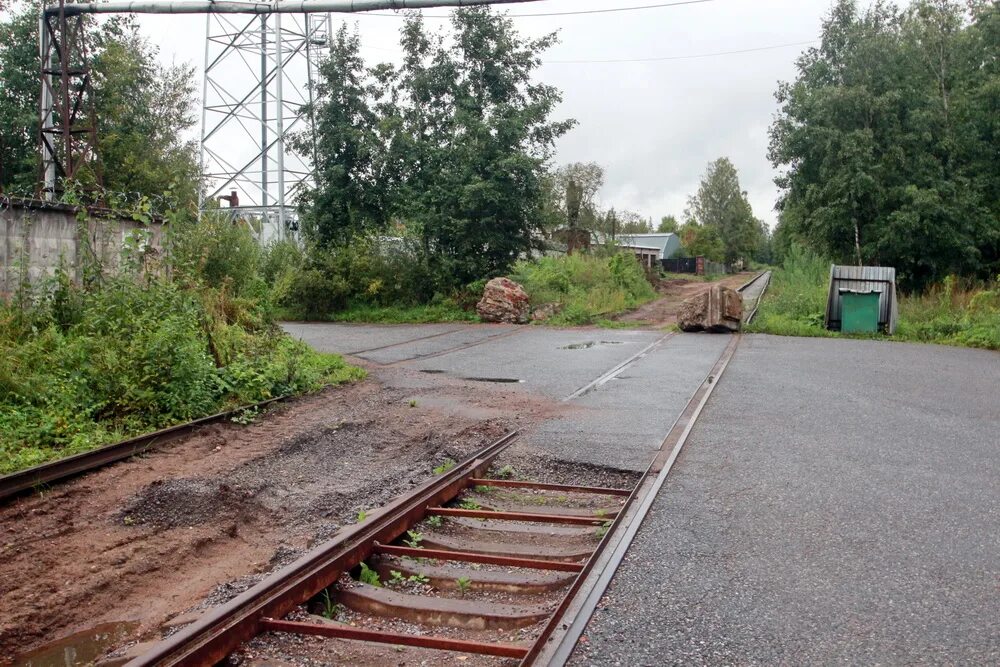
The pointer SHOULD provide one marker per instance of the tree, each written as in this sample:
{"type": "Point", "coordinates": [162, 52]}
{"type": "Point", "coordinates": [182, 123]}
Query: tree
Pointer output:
{"type": "Point", "coordinates": [668, 225]}
{"type": "Point", "coordinates": [143, 109]}
{"type": "Point", "coordinates": [349, 197]}
{"type": "Point", "coordinates": [702, 241]}
{"type": "Point", "coordinates": [722, 206]}
{"type": "Point", "coordinates": [470, 139]}
{"type": "Point", "coordinates": [887, 137]}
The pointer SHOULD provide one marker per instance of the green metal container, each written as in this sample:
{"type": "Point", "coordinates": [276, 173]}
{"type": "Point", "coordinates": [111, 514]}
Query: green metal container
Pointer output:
{"type": "Point", "coordinates": [859, 311]}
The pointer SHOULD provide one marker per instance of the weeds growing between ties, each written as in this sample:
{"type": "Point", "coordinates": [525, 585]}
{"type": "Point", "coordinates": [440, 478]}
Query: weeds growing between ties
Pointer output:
{"type": "Point", "coordinates": [96, 356]}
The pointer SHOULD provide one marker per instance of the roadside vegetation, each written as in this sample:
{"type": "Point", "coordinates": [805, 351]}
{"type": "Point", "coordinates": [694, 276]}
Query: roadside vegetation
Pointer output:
{"type": "Point", "coordinates": [150, 345]}
{"type": "Point", "coordinates": [584, 288]}
{"type": "Point", "coordinates": [959, 311]}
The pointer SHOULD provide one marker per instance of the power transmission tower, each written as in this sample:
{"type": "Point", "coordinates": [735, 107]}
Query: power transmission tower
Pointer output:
{"type": "Point", "coordinates": [259, 75]}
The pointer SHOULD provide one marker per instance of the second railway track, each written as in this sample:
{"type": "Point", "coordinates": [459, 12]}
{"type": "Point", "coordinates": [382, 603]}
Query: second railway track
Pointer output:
{"type": "Point", "coordinates": [498, 570]}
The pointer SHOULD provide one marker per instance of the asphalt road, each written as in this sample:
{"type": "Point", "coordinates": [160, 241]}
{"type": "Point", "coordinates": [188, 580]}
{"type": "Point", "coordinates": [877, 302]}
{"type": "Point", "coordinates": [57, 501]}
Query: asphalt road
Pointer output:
{"type": "Point", "coordinates": [838, 502]}
{"type": "Point", "coordinates": [618, 423]}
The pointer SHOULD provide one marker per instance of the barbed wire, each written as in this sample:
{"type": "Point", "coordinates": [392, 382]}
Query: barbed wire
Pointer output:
{"type": "Point", "coordinates": [95, 199]}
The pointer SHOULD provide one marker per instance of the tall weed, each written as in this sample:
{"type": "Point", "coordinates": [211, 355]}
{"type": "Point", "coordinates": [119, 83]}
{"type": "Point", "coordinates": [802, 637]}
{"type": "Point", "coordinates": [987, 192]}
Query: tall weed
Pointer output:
{"type": "Point", "coordinates": [586, 287]}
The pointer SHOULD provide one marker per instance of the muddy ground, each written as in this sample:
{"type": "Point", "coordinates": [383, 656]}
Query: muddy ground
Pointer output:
{"type": "Point", "coordinates": [673, 292]}
{"type": "Point", "coordinates": [205, 518]}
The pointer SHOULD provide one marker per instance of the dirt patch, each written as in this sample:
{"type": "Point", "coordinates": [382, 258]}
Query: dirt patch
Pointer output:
{"type": "Point", "coordinates": [205, 518]}
{"type": "Point", "coordinates": [673, 292]}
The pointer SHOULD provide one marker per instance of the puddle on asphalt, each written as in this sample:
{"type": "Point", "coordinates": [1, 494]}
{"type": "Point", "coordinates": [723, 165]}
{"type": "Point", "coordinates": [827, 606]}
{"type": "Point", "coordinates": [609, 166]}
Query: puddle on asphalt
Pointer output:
{"type": "Point", "coordinates": [81, 648]}
{"type": "Point", "coordinates": [502, 380]}
{"type": "Point", "coordinates": [589, 344]}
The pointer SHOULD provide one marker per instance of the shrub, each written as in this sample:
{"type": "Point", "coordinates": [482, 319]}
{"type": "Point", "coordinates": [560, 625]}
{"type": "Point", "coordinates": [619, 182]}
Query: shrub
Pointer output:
{"type": "Point", "coordinates": [138, 357]}
{"type": "Point", "coordinates": [588, 287]}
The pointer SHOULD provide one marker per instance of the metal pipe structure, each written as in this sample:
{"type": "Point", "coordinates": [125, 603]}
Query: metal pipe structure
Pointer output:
{"type": "Point", "coordinates": [280, 7]}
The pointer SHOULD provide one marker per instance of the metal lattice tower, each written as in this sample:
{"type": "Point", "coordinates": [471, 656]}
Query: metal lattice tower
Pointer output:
{"type": "Point", "coordinates": [67, 117]}
{"type": "Point", "coordinates": [259, 74]}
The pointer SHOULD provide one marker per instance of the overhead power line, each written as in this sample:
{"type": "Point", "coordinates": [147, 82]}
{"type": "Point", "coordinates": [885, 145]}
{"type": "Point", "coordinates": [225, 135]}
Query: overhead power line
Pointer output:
{"type": "Point", "coordinates": [691, 56]}
{"type": "Point", "coordinates": [681, 57]}
{"type": "Point", "coordinates": [580, 12]}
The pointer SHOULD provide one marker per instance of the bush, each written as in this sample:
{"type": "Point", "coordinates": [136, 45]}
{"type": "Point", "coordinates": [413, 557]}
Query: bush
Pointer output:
{"type": "Point", "coordinates": [133, 358]}
{"type": "Point", "coordinates": [952, 313]}
{"type": "Point", "coordinates": [795, 302]}
{"type": "Point", "coordinates": [587, 287]}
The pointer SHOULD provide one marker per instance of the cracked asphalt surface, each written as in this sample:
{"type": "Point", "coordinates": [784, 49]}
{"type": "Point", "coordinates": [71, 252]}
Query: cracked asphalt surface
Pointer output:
{"type": "Point", "coordinates": [838, 502]}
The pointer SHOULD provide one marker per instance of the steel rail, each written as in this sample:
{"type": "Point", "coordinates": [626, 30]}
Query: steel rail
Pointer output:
{"type": "Point", "coordinates": [558, 639]}
{"type": "Point", "coordinates": [279, 7]}
{"type": "Point", "coordinates": [55, 471]}
{"type": "Point", "coordinates": [223, 629]}
{"type": "Point", "coordinates": [760, 298]}
{"type": "Point", "coordinates": [750, 282]}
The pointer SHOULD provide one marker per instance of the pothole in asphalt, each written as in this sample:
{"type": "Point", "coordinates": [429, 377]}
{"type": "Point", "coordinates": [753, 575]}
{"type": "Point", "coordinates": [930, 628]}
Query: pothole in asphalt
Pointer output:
{"type": "Point", "coordinates": [589, 344]}
{"type": "Point", "coordinates": [501, 380]}
{"type": "Point", "coordinates": [432, 371]}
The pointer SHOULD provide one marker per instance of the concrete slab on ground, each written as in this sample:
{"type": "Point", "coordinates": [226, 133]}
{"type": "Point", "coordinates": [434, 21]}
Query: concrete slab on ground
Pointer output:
{"type": "Point", "coordinates": [623, 422]}
{"type": "Point", "coordinates": [551, 362]}
{"type": "Point", "coordinates": [356, 338]}
{"type": "Point", "coordinates": [837, 502]}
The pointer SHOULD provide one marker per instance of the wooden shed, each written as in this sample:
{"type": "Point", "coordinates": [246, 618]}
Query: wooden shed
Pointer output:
{"type": "Point", "coordinates": [863, 279]}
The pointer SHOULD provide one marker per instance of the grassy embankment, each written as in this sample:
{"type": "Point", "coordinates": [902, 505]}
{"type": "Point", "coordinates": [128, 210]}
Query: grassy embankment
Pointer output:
{"type": "Point", "coordinates": [81, 367]}
{"type": "Point", "coordinates": [587, 289]}
{"type": "Point", "coordinates": [952, 313]}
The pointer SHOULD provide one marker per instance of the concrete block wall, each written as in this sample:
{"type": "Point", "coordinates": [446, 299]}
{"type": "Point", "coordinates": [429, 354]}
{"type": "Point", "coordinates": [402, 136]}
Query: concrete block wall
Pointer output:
{"type": "Point", "coordinates": [37, 236]}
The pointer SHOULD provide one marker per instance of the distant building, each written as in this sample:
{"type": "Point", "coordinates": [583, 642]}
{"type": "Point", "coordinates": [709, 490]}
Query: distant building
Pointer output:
{"type": "Point", "coordinates": [666, 245]}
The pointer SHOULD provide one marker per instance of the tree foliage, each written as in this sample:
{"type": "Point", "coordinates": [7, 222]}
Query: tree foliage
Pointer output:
{"type": "Point", "coordinates": [888, 137]}
{"type": "Point", "coordinates": [453, 143]}
{"type": "Point", "coordinates": [721, 208]}
{"type": "Point", "coordinates": [668, 225]}
{"type": "Point", "coordinates": [143, 109]}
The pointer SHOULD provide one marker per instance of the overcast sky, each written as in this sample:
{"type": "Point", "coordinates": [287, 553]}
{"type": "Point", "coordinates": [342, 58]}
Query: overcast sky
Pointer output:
{"type": "Point", "coordinates": [654, 126]}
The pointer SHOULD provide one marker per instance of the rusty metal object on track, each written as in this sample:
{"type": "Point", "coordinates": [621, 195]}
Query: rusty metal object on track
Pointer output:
{"type": "Point", "coordinates": [421, 641]}
{"type": "Point", "coordinates": [225, 628]}
{"type": "Point", "coordinates": [474, 557]}
{"type": "Point", "coordinates": [565, 488]}
{"type": "Point", "coordinates": [520, 516]}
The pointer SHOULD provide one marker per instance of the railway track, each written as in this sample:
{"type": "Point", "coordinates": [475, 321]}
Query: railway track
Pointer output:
{"type": "Point", "coordinates": [475, 562]}
{"type": "Point", "coordinates": [765, 278]}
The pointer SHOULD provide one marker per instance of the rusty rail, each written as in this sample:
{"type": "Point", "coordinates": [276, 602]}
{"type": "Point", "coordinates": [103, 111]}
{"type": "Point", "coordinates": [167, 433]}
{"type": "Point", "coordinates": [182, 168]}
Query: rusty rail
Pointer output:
{"type": "Point", "coordinates": [264, 607]}
{"type": "Point", "coordinates": [222, 630]}
{"type": "Point", "coordinates": [61, 469]}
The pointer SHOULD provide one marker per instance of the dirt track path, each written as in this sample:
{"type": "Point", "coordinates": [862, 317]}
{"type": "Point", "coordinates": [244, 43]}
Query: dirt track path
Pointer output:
{"type": "Point", "coordinates": [663, 311]}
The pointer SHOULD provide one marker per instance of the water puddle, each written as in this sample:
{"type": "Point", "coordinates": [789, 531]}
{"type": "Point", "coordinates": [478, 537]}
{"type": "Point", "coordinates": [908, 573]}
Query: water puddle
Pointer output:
{"type": "Point", "coordinates": [81, 648]}
{"type": "Point", "coordinates": [590, 344]}
{"type": "Point", "coordinates": [503, 380]}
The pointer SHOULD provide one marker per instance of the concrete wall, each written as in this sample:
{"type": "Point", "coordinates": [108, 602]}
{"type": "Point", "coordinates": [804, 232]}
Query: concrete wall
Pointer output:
{"type": "Point", "coordinates": [37, 236]}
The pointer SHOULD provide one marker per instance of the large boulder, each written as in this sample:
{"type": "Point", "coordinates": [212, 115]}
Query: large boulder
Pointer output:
{"type": "Point", "coordinates": [504, 301]}
{"type": "Point", "coordinates": [717, 310]}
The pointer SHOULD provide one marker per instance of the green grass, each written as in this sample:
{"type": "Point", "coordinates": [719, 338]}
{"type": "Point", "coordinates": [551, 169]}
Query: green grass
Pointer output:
{"type": "Point", "coordinates": [362, 313]}
{"type": "Point", "coordinates": [589, 289]}
{"type": "Point", "coordinates": [958, 313]}
{"type": "Point", "coordinates": [81, 369]}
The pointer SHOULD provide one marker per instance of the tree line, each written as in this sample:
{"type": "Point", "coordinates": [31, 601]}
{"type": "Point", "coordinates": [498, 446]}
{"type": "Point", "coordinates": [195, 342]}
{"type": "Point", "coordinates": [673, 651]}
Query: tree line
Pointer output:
{"type": "Point", "coordinates": [888, 140]}
{"type": "Point", "coordinates": [718, 221]}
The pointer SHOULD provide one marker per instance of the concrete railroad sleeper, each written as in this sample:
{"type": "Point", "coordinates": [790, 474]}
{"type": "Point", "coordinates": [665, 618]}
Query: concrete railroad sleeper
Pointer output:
{"type": "Point", "coordinates": [583, 536]}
